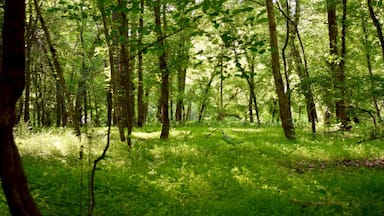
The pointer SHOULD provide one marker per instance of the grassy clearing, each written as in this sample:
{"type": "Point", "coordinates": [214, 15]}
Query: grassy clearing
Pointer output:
{"type": "Point", "coordinates": [206, 170]}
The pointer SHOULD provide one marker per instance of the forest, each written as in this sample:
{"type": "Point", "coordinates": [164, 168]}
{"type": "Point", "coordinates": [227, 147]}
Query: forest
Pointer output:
{"type": "Point", "coordinates": [191, 107]}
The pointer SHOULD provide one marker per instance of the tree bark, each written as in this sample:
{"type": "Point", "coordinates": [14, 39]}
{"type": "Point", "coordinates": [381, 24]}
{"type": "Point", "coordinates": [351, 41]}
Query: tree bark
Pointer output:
{"type": "Point", "coordinates": [164, 95]}
{"type": "Point", "coordinates": [285, 109]}
{"type": "Point", "coordinates": [12, 81]}
{"type": "Point", "coordinates": [126, 72]}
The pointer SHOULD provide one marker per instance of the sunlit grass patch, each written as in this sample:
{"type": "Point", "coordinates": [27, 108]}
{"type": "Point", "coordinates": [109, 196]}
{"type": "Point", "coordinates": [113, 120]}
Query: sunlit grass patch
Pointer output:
{"type": "Point", "coordinates": [49, 143]}
{"type": "Point", "coordinates": [205, 169]}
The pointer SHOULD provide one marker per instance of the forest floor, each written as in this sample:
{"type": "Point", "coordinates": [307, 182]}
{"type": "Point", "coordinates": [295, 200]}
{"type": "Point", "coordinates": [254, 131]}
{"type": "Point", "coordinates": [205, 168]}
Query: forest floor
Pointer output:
{"type": "Point", "coordinates": [207, 169]}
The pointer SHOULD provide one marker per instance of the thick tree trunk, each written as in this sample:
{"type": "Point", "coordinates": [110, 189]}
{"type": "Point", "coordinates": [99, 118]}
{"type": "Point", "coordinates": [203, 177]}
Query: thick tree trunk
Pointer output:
{"type": "Point", "coordinates": [126, 72]}
{"type": "Point", "coordinates": [337, 67]}
{"type": "Point", "coordinates": [12, 81]}
{"type": "Point", "coordinates": [284, 105]}
{"type": "Point", "coordinates": [164, 97]}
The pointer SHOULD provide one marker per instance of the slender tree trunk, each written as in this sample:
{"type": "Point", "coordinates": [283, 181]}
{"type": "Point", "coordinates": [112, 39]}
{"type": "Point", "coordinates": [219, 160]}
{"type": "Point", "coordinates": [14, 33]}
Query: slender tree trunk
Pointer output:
{"type": "Point", "coordinates": [61, 117]}
{"type": "Point", "coordinates": [253, 97]}
{"type": "Point", "coordinates": [59, 70]}
{"type": "Point", "coordinates": [250, 109]}
{"type": "Point", "coordinates": [205, 96]}
{"type": "Point", "coordinates": [341, 108]}
{"type": "Point", "coordinates": [221, 108]}
{"type": "Point", "coordinates": [140, 90]}
{"type": "Point", "coordinates": [284, 105]}
{"type": "Point", "coordinates": [369, 66]}
{"type": "Point", "coordinates": [333, 51]}
{"type": "Point", "coordinates": [30, 36]}
{"type": "Point", "coordinates": [117, 94]}
{"type": "Point", "coordinates": [181, 76]}
{"type": "Point", "coordinates": [377, 24]}
{"type": "Point", "coordinates": [302, 68]}
{"type": "Point", "coordinates": [12, 81]}
{"type": "Point", "coordinates": [164, 97]}
{"type": "Point", "coordinates": [287, 66]}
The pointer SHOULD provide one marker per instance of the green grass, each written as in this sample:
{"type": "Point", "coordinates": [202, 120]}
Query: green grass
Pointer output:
{"type": "Point", "coordinates": [199, 172]}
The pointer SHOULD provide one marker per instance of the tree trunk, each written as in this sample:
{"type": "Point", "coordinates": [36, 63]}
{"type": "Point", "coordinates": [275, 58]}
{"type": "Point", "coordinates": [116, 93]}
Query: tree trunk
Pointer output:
{"type": "Point", "coordinates": [302, 68]}
{"type": "Point", "coordinates": [336, 62]}
{"type": "Point", "coordinates": [117, 94]}
{"type": "Point", "coordinates": [59, 70]}
{"type": "Point", "coordinates": [369, 66]}
{"type": "Point", "coordinates": [205, 96]}
{"type": "Point", "coordinates": [377, 24]}
{"type": "Point", "coordinates": [252, 91]}
{"type": "Point", "coordinates": [126, 72]}
{"type": "Point", "coordinates": [181, 76]}
{"type": "Point", "coordinates": [284, 105]}
{"type": "Point", "coordinates": [30, 36]}
{"type": "Point", "coordinates": [140, 89]}
{"type": "Point", "coordinates": [341, 111]}
{"type": "Point", "coordinates": [164, 97]}
{"type": "Point", "coordinates": [12, 81]}
{"type": "Point", "coordinates": [221, 108]}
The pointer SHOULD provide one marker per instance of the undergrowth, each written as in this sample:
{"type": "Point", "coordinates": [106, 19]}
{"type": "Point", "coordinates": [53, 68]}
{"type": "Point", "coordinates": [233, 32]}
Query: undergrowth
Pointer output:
{"type": "Point", "coordinates": [204, 169]}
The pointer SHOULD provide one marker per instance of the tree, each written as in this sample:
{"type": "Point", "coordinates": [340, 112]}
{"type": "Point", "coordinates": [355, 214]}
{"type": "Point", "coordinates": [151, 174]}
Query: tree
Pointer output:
{"type": "Point", "coordinates": [59, 70]}
{"type": "Point", "coordinates": [140, 91]}
{"type": "Point", "coordinates": [12, 81]}
{"type": "Point", "coordinates": [126, 71]}
{"type": "Point", "coordinates": [284, 104]}
{"type": "Point", "coordinates": [336, 60]}
{"type": "Point", "coordinates": [164, 70]}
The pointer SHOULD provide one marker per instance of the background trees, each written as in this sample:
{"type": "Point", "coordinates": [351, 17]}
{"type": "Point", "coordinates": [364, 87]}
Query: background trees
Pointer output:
{"type": "Point", "coordinates": [213, 57]}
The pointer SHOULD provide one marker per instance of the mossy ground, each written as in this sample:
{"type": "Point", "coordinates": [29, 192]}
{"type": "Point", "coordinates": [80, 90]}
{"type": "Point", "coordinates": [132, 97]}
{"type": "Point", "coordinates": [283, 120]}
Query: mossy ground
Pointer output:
{"type": "Point", "coordinates": [205, 169]}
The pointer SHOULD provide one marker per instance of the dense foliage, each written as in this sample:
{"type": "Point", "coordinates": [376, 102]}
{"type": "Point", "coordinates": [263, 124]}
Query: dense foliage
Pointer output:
{"type": "Point", "coordinates": [216, 61]}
